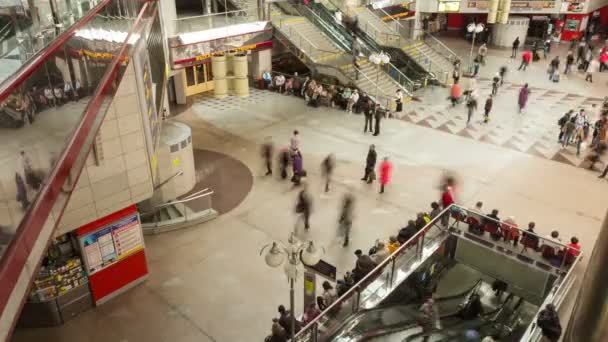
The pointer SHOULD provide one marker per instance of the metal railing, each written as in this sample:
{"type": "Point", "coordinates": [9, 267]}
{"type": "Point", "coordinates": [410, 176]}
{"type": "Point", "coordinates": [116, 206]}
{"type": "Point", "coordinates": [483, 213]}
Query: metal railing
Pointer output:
{"type": "Point", "coordinates": [397, 75]}
{"type": "Point", "coordinates": [390, 273]}
{"type": "Point", "coordinates": [153, 218]}
{"type": "Point", "coordinates": [379, 282]}
{"type": "Point", "coordinates": [215, 20]}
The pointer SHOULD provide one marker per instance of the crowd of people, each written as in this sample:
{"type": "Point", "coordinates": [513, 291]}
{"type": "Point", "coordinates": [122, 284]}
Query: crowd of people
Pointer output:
{"type": "Point", "coordinates": [551, 247]}
{"type": "Point", "coordinates": [346, 97]}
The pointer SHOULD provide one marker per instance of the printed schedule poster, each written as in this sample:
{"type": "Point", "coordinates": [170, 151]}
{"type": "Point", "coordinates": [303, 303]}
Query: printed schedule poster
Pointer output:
{"type": "Point", "coordinates": [112, 243]}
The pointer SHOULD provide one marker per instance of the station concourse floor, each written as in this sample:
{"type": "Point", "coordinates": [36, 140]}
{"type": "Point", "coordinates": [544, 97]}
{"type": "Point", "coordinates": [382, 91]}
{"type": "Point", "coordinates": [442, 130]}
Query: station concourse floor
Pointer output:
{"type": "Point", "coordinates": [208, 282]}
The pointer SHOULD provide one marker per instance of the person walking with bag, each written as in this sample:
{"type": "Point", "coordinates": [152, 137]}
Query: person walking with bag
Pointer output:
{"type": "Point", "coordinates": [370, 164]}
{"type": "Point", "coordinates": [385, 173]}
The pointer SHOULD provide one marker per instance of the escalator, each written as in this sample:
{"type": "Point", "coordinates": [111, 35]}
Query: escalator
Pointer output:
{"type": "Point", "coordinates": [395, 320]}
{"type": "Point", "coordinates": [401, 65]}
{"type": "Point", "coordinates": [52, 108]}
{"type": "Point", "coordinates": [325, 53]}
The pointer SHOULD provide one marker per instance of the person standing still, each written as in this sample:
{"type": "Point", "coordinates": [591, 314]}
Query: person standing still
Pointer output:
{"type": "Point", "coordinates": [385, 173]}
{"type": "Point", "coordinates": [398, 101]}
{"type": "Point", "coordinates": [327, 168]}
{"type": "Point", "coordinates": [369, 116]}
{"type": "Point", "coordinates": [514, 47]}
{"type": "Point", "coordinates": [487, 108]}
{"type": "Point", "coordinates": [370, 164]}
{"type": "Point", "coordinates": [304, 206]}
{"type": "Point", "coordinates": [378, 116]}
{"type": "Point", "coordinates": [267, 152]}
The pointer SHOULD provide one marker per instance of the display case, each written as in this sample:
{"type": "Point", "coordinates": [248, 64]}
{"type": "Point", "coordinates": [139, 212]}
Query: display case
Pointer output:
{"type": "Point", "coordinates": [60, 291]}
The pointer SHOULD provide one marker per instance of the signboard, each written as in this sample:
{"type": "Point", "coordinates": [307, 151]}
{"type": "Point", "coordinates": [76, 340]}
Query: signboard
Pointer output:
{"type": "Point", "coordinates": [111, 243]}
{"type": "Point", "coordinates": [449, 6]}
{"type": "Point", "coordinates": [572, 25]}
{"type": "Point", "coordinates": [146, 91]}
{"type": "Point", "coordinates": [324, 269]}
{"type": "Point", "coordinates": [477, 4]}
{"type": "Point", "coordinates": [534, 5]}
{"type": "Point", "coordinates": [202, 58]}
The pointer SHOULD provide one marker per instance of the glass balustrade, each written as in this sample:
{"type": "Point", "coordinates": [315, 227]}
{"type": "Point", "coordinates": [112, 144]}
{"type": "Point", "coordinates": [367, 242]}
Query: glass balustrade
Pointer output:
{"type": "Point", "coordinates": [536, 251]}
{"type": "Point", "coordinates": [50, 111]}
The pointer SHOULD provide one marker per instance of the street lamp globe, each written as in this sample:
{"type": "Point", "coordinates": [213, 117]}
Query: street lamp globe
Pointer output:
{"type": "Point", "coordinates": [379, 58]}
{"type": "Point", "coordinates": [275, 256]}
{"type": "Point", "coordinates": [311, 255]}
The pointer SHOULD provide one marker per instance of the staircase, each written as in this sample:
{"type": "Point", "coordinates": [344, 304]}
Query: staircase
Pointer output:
{"type": "Point", "coordinates": [431, 54]}
{"type": "Point", "coordinates": [321, 54]}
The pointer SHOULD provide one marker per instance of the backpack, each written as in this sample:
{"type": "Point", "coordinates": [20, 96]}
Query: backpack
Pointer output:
{"type": "Point", "coordinates": [562, 121]}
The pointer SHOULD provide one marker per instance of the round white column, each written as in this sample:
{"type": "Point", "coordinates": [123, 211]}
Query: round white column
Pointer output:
{"type": "Point", "coordinates": [505, 34]}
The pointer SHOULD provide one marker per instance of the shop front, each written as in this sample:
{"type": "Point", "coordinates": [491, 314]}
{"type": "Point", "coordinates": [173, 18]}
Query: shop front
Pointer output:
{"type": "Point", "coordinates": [86, 268]}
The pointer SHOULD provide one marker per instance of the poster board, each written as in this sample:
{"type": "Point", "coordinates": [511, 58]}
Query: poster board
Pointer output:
{"type": "Point", "coordinates": [111, 243]}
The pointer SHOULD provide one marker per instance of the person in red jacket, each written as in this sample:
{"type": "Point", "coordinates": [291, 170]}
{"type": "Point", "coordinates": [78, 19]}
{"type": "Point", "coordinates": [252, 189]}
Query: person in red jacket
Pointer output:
{"type": "Point", "coordinates": [447, 197]}
{"type": "Point", "coordinates": [385, 173]}
{"type": "Point", "coordinates": [526, 57]}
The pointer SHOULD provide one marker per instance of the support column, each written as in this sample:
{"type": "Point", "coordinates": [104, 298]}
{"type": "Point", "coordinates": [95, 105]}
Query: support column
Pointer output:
{"type": "Point", "coordinates": [589, 320]}
{"type": "Point", "coordinates": [261, 60]}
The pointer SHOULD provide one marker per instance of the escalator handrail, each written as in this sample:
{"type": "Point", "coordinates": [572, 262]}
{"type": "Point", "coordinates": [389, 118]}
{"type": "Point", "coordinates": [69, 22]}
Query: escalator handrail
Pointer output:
{"type": "Point", "coordinates": [410, 84]}
{"type": "Point", "coordinates": [379, 267]}
{"type": "Point", "coordinates": [13, 261]}
{"type": "Point", "coordinates": [35, 62]}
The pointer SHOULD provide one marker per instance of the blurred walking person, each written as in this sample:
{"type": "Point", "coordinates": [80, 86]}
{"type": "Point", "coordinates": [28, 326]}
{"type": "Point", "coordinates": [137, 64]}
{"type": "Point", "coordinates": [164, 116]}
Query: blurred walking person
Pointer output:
{"type": "Point", "coordinates": [514, 47]}
{"type": "Point", "coordinates": [304, 207]}
{"type": "Point", "coordinates": [298, 168]}
{"type": "Point", "coordinates": [345, 222]}
{"type": "Point", "coordinates": [21, 192]}
{"type": "Point", "coordinates": [385, 173]}
{"type": "Point", "coordinates": [283, 162]}
{"type": "Point", "coordinates": [487, 109]}
{"type": "Point", "coordinates": [267, 153]}
{"type": "Point", "coordinates": [327, 169]}
{"type": "Point", "coordinates": [593, 66]}
{"type": "Point", "coordinates": [370, 164]}
{"type": "Point", "coordinates": [569, 62]}
{"type": "Point", "coordinates": [522, 100]}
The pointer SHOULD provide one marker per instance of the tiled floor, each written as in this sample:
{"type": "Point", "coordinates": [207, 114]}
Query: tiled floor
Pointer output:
{"type": "Point", "coordinates": [208, 283]}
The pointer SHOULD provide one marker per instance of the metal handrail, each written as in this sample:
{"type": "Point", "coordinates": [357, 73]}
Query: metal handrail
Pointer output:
{"type": "Point", "coordinates": [445, 47]}
{"type": "Point", "coordinates": [293, 32]}
{"type": "Point", "coordinates": [185, 200]}
{"type": "Point", "coordinates": [400, 74]}
{"type": "Point", "coordinates": [372, 273]}
{"type": "Point", "coordinates": [178, 173]}
{"type": "Point", "coordinates": [194, 194]}
{"type": "Point", "coordinates": [215, 14]}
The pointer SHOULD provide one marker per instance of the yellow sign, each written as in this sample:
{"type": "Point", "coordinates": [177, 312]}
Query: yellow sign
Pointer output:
{"type": "Point", "coordinates": [176, 162]}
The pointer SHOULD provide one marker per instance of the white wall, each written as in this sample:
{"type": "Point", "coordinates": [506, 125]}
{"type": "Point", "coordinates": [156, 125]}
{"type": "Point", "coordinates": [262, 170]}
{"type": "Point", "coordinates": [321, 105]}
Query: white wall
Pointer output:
{"type": "Point", "coordinates": [123, 177]}
{"type": "Point", "coordinates": [592, 5]}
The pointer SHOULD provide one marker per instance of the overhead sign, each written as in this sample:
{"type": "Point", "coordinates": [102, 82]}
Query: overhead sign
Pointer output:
{"type": "Point", "coordinates": [203, 58]}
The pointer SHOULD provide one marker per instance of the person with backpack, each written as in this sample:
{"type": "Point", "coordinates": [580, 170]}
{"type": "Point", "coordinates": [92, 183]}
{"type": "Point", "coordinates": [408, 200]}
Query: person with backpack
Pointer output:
{"type": "Point", "coordinates": [548, 322]}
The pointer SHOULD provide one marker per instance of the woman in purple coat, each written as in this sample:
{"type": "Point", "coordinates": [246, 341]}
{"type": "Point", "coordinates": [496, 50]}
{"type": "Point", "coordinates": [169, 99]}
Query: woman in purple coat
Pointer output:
{"type": "Point", "coordinates": [523, 97]}
{"type": "Point", "coordinates": [297, 168]}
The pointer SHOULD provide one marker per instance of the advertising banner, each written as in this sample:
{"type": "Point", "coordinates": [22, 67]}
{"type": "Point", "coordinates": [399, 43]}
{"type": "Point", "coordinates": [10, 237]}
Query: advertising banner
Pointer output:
{"type": "Point", "coordinates": [111, 243]}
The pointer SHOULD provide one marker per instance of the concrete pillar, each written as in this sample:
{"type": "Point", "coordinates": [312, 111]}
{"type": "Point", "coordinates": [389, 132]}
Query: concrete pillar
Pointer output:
{"type": "Point", "coordinates": [589, 320]}
{"type": "Point", "coordinates": [261, 60]}
{"type": "Point", "coordinates": [179, 82]}
{"type": "Point", "coordinates": [504, 14]}
{"type": "Point", "coordinates": [492, 11]}
{"type": "Point", "coordinates": [505, 34]}
{"type": "Point", "coordinates": [168, 14]}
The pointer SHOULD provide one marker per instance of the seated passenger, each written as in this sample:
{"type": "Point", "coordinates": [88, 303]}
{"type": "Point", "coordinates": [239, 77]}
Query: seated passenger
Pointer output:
{"type": "Point", "coordinates": [289, 86]}
{"type": "Point", "coordinates": [548, 322]}
{"type": "Point", "coordinates": [381, 253]}
{"type": "Point", "coordinates": [279, 83]}
{"type": "Point", "coordinates": [532, 239]}
{"type": "Point", "coordinates": [393, 244]}
{"type": "Point", "coordinates": [436, 210]}
{"type": "Point", "coordinates": [310, 314]}
{"type": "Point", "coordinates": [407, 232]}
{"type": "Point", "coordinates": [345, 97]}
{"type": "Point", "coordinates": [511, 231]}
{"type": "Point", "coordinates": [554, 237]}
{"type": "Point", "coordinates": [574, 248]}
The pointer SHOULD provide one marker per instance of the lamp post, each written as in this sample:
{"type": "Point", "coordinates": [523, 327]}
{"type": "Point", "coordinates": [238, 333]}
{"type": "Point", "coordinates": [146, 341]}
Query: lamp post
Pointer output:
{"type": "Point", "coordinates": [297, 252]}
{"type": "Point", "coordinates": [379, 59]}
{"type": "Point", "coordinates": [475, 29]}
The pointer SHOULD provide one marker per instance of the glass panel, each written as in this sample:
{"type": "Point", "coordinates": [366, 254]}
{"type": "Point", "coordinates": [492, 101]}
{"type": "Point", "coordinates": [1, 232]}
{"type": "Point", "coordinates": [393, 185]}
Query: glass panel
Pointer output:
{"type": "Point", "coordinates": [190, 77]}
{"type": "Point", "coordinates": [200, 73]}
